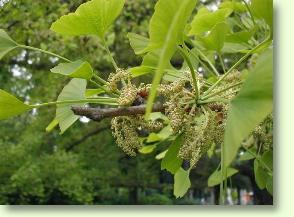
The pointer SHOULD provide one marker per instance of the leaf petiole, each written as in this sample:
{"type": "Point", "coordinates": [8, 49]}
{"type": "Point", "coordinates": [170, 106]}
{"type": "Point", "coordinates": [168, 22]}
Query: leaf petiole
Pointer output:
{"type": "Point", "coordinates": [234, 66]}
{"type": "Point", "coordinates": [98, 100]}
{"type": "Point", "coordinates": [184, 54]}
{"type": "Point", "coordinates": [44, 51]}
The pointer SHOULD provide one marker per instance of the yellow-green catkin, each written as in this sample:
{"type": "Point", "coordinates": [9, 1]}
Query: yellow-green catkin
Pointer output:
{"type": "Point", "coordinates": [128, 95]}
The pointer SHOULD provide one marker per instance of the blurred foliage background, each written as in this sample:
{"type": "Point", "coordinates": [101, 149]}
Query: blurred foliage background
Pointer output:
{"type": "Point", "coordinates": [83, 166]}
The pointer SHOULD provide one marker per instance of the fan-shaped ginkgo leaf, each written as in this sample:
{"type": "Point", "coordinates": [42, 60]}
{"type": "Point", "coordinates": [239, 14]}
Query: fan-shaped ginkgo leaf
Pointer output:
{"type": "Point", "coordinates": [91, 18]}
{"type": "Point", "coordinates": [6, 43]}
{"type": "Point", "coordinates": [11, 106]}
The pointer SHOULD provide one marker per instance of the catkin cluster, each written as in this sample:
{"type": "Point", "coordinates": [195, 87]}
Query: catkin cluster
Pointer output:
{"type": "Point", "coordinates": [200, 134]}
{"type": "Point", "coordinates": [201, 127]}
{"type": "Point", "coordinates": [115, 78]}
{"type": "Point", "coordinates": [126, 131]}
{"type": "Point", "coordinates": [263, 134]}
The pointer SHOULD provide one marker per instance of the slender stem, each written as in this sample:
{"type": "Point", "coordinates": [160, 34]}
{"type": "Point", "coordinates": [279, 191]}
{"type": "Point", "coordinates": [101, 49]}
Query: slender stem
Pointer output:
{"type": "Point", "coordinates": [194, 76]}
{"type": "Point", "coordinates": [234, 66]}
{"type": "Point", "coordinates": [44, 51]}
{"type": "Point", "coordinates": [259, 160]}
{"type": "Point", "coordinates": [207, 60]}
{"type": "Point", "coordinates": [250, 12]}
{"type": "Point", "coordinates": [101, 80]}
{"type": "Point", "coordinates": [100, 100]}
{"type": "Point", "coordinates": [201, 102]}
{"type": "Point", "coordinates": [221, 91]}
{"type": "Point", "coordinates": [104, 88]}
{"type": "Point", "coordinates": [222, 62]}
{"type": "Point", "coordinates": [109, 54]}
{"type": "Point", "coordinates": [202, 63]}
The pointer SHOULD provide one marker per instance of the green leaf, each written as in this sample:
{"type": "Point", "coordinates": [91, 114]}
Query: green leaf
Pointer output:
{"type": "Point", "coordinates": [240, 37]}
{"type": "Point", "coordinates": [10, 106]}
{"type": "Point", "coordinates": [263, 9]}
{"type": "Point", "coordinates": [246, 156]}
{"type": "Point", "coordinates": [253, 103]}
{"type": "Point", "coordinates": [91, 18]}
{"type": "Point", "coordinates": [260, 175]}
{"type": "Point", "coordinates": [52, 125]}
{"type": "Point", "coordinates": [181, 183]}
{"type": "Point", "coordinates": [78, 69]}
{"type": "Point", "coordinates": [165, 133]}
{"type": "Point", "coordinates": [204, 22]}
{"type": "Point", "coordinates": [161, 155]}
{"type": "Point", "coordinates": [233, 5]}
{"type": "Point", "coordinates": [94, 92]}
{"type": "Point", "coordinates": [147, 149]}
{"type": "Point", "coordinates": [216, 177]}
{"type": "Point", "coordinates": [138, 43]}
{"type": "Point", "coordinates": [74, 90]}
{"type": "Point", "coordinates": [234, 48]}
{"type": "Point", "coordinates": [153, 137]}
{"type": "Point", "coordinates": [216, 38]}
{"type": "Point", "coordinates": [149, 65]}
{"type": "Point", "coordinates": [6, 43]}
{"type": "Point", "coordinates": [171, 162]}
{"type": "Point", "coordinates": [267, 159]}
{"type": "Point", "coordinates": [269, 185]}
{"type": "Point", "coordinates": [166, 32]}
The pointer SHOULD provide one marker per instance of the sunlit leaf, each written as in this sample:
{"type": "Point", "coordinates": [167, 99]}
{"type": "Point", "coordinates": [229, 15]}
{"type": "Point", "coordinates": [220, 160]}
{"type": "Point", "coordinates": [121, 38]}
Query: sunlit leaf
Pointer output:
{"type": "Point", "coordinates": [93, 92]}
{"type": "Point", "coordinates": [181, 182]}
{"type": "Point", "coordinates": [149, 65]}
{"type": "Point", "coordinates": [204, 22]}
{"type": "Point", "coordinates": [153, 137]}
{"type": "Point", "coordinates": [216, 38]}
{"type": "Point", "coordinates": [253, 103]}
{"type": "Point", "coordinates": [91, 18]}
{"type": "Point", "coordinates": [6, 43]}
{"type": "Point", "coordinates": [171, 162]}
{"type": "Point", "coordinates": [147, 149]}
{"type": "Point", "coordinates": [263, 9]}
{"type": "Point", "coordinates": [52, 125]}
{"type": "Point", "coordinates": [240, 37]}
{"type": "Point", "coordinates": [216, 177]}
{"type": "Point", "coordinates": [74, 90]}
{"type": "Point", "coordinates": [77, 69]}
{"type": "Point", "coordinates": [138, 43]}
{"type": "Point", "coordinates": [233, 5]}
{"type": "Point", "coordinates": [10, 106]}
{"type": "Point", "coordinates": [166, 32]}
{"type": "Point", "coordinates": [161, 155]}
{"type": "Point", "coordinates": [235, 48]}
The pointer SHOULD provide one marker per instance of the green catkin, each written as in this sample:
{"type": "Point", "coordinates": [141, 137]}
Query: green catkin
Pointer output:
{"type": "Point", "coordinates": [198, 137]}
{"type": "Point", "coordinates": [128, 95]}
{"type": "Point", "coordinates": [115, 78]}
{"type": "Point", "coordinates": [125, 133]}
{"type": "Point", "coordinates": [263, 133]}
